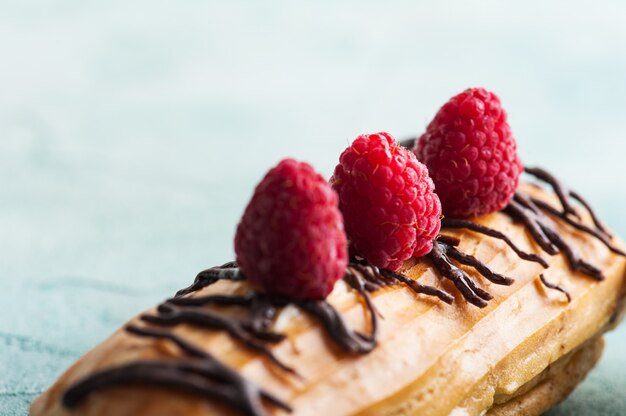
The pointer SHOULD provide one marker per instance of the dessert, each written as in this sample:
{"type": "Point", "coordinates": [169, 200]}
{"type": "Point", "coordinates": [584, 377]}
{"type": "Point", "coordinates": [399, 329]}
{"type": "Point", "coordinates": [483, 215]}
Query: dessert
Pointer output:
{"type": "Point", "coordinates": [500, 314]}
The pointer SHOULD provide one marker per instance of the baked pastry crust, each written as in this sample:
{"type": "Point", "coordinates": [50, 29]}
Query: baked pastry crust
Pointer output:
{"type": "Point", "coordinates": [515, 356]}
{"type": "Point", "coordinates": [553, 385]}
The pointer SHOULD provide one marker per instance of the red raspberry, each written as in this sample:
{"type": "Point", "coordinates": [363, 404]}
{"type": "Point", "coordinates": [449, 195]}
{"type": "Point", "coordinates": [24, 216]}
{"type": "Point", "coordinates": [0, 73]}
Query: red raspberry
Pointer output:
{"type": "Point", "coordinates": [471, 154]}
{"type": "Point", "coordinates": [390, 210]}
{"type": "Point", "coordinates": [291, 240]}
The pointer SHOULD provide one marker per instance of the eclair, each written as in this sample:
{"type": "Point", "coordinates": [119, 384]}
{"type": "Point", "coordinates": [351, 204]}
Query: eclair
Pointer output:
{"type": "Point", "coordinates": [422, 279]}
{"type": "Point", "coordinates": [521, 354]}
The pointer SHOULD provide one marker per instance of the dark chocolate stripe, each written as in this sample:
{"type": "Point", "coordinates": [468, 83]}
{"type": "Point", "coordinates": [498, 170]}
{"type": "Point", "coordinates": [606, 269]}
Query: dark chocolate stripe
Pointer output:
{"type": "Point", "coordinates": [169, 314]}
{"type": "Point", "coordinates": [209, 276]}
{"type": "Point", "coordinates": [201, 374]}
{"type": "Point", "coordinates": [463, 282]}
{"type": "Point", "coordinates": [351, 341]}
{"type": "Point", "coordinates": [466, 224]}
{"type": "Point", "coordinates": [597, 233]}
{"type": "Point", "coordinates": [524, 209]}
{"type": "Point", "coordinates": [376, 278]}
{"type": "Point", "coordinates": [532, 212]}
{"type": "Point", "coordinates": [556, 287]}
{"type": "Point", "coordinates": [561, 190]}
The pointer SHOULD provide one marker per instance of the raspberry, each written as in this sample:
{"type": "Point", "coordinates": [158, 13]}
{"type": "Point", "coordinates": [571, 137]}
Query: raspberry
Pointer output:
{"type": "Point", "coordinates": [471, 154]}
{"type": "Point", "coordinates": [386, 196]}
{"type": "Point", "coordinates": [290, 240]}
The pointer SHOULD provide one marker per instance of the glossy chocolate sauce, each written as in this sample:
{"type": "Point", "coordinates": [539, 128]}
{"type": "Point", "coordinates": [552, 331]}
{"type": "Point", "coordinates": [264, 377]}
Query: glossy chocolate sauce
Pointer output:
{"type": "Point", "coordinates": [199, 373]}
{"type": "Point", "coordinates": [554, 286]}
{"type": "Point", "coordinates": [444, 249]}
{"type": "Point", "coordinates": [536, 215]}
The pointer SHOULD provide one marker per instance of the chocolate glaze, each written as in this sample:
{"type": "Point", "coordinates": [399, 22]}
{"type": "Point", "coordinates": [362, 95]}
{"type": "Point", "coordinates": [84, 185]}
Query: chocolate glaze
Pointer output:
{"type": "Point", "coordinates": [263, 309]}
{"type": "Point", "coordinates": [377, 278]}
{"type": "Point", "coordinates": [444, 248]}
{"type": "Point", "coordinates": [568, 210]}
{"type": "Point", "coordinates": [591, 212]}
{"type": "Point", "coordinates": [170, 314]}
{"type": "Point", "coordinates": [200, 374]}
{"type": "Point", "coordinates": [207, 277]}
{"type": "Point", "coordinates": [559, 189]}
{"type": "Point", "coordinates": [532, 212]}
{"type": "Point", "coordinates": [349, 340]}
{"type": "Point", "coordinates": [449, 223]}
{"type": "Point", "coordinates": [554, 286]}
{"type": "Point", "coordinates": [596, 232]}
{"type": "Point", "coordinates": [523, 209]}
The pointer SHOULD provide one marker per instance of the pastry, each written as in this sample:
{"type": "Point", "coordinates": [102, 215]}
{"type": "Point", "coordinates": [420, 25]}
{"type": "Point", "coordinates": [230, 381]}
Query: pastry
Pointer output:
{"type": "Point", "coordinates": [503, 314]}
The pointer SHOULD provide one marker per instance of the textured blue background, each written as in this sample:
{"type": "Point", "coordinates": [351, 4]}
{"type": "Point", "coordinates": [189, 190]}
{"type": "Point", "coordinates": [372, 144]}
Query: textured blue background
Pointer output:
{"type": "Point", "coordinates": [133, 132]}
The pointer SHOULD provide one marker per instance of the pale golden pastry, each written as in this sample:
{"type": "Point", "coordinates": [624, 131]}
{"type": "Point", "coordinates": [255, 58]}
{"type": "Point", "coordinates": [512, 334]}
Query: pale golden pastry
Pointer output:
{"type": "Point", "coordinates": [521, 354]}
{"type": "Point", "coordinates": [553, 384]}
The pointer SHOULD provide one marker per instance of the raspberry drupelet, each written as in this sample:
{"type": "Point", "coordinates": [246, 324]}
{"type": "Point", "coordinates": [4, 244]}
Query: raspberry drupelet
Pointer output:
{"type": "Point", "coordinates": [291, 240]}
{"type": "Point", "coordinates": [390, 210]}
{"type": "Point", "coordinates": [471, 154]}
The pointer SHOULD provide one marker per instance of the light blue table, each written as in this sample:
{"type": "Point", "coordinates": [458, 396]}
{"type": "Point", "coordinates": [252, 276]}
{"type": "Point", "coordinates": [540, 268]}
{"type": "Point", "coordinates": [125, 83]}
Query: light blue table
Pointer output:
{"type": "Point", "coordinates": [132, 134]}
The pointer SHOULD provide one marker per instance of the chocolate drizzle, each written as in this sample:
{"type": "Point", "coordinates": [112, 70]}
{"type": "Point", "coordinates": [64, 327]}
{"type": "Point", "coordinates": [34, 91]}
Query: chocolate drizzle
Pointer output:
{"type": "Point", "coordinates": [468, 225]}
{"type": "Point", "coordinates": [444, 249]}
{"type": "Point", "coordinates": [535, 213]}
{"type": "Point", "coordinates": [200, 374]}
{"type": "Point", "coordinates": [601, 235]}
{"type": "Point", "coordinates": [556, 287]}
{"type": "Point", "coordinates": [338, 331]}
{"type": "Point", "coordinates": [376, 278]}
{"type": "Point", "coordinates": [174, 312]}
{"type": "Point", "coordinates": [549, 240]}
{"type": "Point", "coordinates": [227, 271]}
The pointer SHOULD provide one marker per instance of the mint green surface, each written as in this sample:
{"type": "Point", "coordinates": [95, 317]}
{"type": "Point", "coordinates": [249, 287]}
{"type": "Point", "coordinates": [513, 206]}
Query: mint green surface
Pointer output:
{"type": "Point", "coordinates": [133, 132]}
